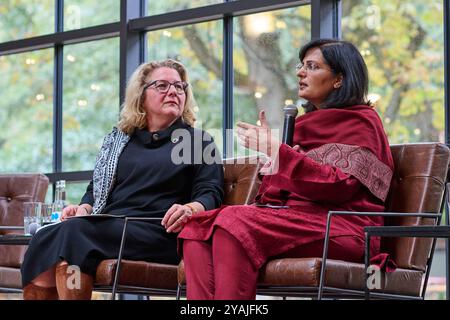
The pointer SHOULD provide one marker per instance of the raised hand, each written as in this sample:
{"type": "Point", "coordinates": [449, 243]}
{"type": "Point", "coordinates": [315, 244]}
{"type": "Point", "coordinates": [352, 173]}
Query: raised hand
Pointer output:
{"type": "Point", "coordinates": [258, 138]}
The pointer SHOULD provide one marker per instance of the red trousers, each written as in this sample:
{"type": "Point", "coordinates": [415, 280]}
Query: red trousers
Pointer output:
{"type": "Point", "coordinates": [220, 269]}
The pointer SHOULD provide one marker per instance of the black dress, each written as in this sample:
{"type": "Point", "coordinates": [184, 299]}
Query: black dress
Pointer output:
{"type": "Point", "coordinates": [149, 180]}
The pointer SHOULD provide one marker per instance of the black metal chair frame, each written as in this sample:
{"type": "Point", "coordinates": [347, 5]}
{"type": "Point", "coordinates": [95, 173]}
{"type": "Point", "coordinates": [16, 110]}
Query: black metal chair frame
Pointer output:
{"type": "Point", "coordinates": [435, 231]}
{"type": "Point", "coordinates": [404, 231]}
{"type": "Point", "coordinates": [330, 292]}
{"type": "Point", "coordinates": [116, 287]}
{"type": "Point", "coordinates": [321, 291]}
{"type": "Point", "coordinates": [13, 239]}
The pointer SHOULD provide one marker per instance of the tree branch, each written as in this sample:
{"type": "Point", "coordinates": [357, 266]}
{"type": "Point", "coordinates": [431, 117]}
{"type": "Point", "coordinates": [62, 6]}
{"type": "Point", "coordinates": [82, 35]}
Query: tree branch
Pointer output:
{"type": "Point", "coordinates": [210, 62]}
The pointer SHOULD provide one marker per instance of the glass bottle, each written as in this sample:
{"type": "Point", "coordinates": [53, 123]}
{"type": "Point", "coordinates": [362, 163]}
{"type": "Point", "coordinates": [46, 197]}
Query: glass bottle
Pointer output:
{"type": "Point", "coordinates": [60, 198]}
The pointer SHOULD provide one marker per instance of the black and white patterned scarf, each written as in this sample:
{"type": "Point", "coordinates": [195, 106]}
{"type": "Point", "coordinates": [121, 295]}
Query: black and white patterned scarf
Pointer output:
{"type": "Point", "coordinates": [106, 167]}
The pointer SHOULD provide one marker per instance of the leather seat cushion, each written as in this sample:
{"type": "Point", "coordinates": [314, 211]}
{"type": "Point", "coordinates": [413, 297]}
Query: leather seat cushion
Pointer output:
{"type": "Point", "coordinates": [138, 273]}
{"type": "Point", "coordinates": [305, 272]}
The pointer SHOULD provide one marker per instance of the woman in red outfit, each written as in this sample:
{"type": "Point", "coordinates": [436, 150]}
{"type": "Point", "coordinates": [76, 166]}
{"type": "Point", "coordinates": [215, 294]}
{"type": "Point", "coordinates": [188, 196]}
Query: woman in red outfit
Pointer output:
{"type": "Point", "coordinates": [341, 161]}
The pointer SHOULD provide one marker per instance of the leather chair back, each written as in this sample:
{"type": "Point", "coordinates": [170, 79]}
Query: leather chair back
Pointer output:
{"type": "Point", "coordinates": [15, 189]}
{"type": "Point", "coordinates": [241, 182]}
{"type": "Point", "coordinates": [418, 185]}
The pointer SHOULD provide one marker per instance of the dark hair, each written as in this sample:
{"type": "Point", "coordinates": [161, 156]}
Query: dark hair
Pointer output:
{"type": "Point", "coordinates": [343, 58]}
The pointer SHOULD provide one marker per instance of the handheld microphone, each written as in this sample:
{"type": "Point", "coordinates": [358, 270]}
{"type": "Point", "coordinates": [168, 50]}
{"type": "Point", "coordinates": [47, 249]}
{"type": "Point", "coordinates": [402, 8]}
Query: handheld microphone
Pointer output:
{"type": "Point", "coordinates": [290, 112]}
{"type": "Point", "coordinates": [33, 228]}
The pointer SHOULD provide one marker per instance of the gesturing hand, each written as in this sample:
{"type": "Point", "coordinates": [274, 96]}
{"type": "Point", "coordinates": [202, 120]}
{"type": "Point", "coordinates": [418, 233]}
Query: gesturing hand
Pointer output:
{"type": "Point", "coordinates": [176, 217]}
{"type": "Point", "coordinates": [258, 138]}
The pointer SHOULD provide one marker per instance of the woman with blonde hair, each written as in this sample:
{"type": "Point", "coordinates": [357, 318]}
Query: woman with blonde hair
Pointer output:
{"type": "Point", "coordinates": [135, 174]}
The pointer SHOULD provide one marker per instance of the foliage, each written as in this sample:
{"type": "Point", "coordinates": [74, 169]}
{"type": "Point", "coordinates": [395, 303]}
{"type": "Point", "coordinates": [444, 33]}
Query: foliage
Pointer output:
{"type": "Point", "coordinates": [87, 13]}
{"type": "Point", "coordinates": [159, 7]}
{"type": "Point", "coordinates": [20, 19]}
{"type": "Point", "coordinates": [26, 111]}
{"type": "Point", "coordinates": [402, 43]}
{"type": "Point", "coordinates": [264, 75]}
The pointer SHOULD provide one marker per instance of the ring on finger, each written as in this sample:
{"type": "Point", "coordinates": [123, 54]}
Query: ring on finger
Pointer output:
{"type": "Point", "coordinates": [180, 219]}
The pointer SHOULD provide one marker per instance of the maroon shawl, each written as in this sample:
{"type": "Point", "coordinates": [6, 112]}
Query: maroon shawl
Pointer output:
{"type": "Point", "coordinates": [351, 139]}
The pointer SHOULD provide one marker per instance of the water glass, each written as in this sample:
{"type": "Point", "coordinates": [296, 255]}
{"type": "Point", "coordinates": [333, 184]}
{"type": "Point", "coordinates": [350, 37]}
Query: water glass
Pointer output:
{"type": "Point", "coordinates": [32, 217]}
{"type": "Point", "coordinates": [46, 214]}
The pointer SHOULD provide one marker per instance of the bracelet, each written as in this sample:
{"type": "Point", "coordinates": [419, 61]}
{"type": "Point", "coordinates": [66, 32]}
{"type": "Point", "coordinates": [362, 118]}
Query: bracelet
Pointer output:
{"type": "Point", "coordinates": [87, 212]}
{"type": "Point", "coordinates": [194, 211]}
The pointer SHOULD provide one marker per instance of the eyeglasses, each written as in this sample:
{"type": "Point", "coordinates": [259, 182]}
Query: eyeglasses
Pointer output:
{"type": "Point", "coordinates": [163, 86]}
{"type": "Point", "coordinates": [309, 66]}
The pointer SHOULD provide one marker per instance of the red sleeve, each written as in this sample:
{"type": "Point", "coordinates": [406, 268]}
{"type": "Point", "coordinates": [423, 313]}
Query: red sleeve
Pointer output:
{"type": "Point", "coordinates": [315, 182]}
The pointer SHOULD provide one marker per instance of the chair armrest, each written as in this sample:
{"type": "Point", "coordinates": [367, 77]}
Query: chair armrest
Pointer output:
{"type": "Point", "coordinates": [15, 239]}
{"type": "Point", "coordinates": [401, 231]}
{"type": "Point", "coordinates": [122, 246]}
{"type": "Point", "coordinates": [11, 228]}
{"type": "Point", "coordinates": [409, 231]}
{"type": "Point", "coordinates": [384, 213]}
{"type": "Point", "coordinates": [355, 213]}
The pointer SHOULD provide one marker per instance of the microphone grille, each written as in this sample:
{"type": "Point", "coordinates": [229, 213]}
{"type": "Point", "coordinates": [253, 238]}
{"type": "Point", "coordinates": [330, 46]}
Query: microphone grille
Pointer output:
{"type": "Point", "coordinates": [291, 110]}
{"type": "Point", "coordinates": [33, 228]}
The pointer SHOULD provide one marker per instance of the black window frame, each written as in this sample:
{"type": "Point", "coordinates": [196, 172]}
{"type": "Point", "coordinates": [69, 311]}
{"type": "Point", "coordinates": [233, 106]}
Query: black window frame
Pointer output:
{"type": "Point", "coordinates": [131, 30]}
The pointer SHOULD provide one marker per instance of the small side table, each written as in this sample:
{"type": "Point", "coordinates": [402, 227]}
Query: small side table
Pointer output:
{"type": "Point", "coordinates": [14, 239]}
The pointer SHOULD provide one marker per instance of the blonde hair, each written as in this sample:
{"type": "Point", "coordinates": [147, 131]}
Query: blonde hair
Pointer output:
{"type": "Point", "coordinates": [133, 114]}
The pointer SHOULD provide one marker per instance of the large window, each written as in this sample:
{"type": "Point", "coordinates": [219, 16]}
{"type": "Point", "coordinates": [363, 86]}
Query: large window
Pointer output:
{"type": "Point", "coordinates": [26, 111]}
{"type": "Point", "coordinates": [159, 7]}
{"type": "Point", "coordinates": [403, 45]}
{"type": "Point", "coordinates": [199, 47]}
{"type": "Point", "coordinates": [266, 47]}
{"type": "Point", "coordinates": [402, 42]}
{"type": "Point", "coordinates": [67, 125]}
{"type": "Point", "coordinates": [90, 100]}
{"type": "Point", "coordinates": [86, 13]}
{"type": "Point", "coordinates": [75, 191]}
{"type": "Point", "coordinates": [24, 19]}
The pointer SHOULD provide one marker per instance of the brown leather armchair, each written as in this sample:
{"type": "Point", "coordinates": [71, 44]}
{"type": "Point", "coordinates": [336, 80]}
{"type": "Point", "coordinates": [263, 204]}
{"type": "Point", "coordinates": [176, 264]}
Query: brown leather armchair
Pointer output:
{"type": "Point", "coordinates": [418, 186]}
{"type": "Point", "coordinates": [15, 189]}
{"type": "Point", "coordinates": [139, 277]}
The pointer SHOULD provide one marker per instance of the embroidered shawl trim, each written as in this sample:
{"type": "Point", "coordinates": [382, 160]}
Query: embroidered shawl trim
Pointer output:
{"type": "Point", "coordinates": [357, 161]}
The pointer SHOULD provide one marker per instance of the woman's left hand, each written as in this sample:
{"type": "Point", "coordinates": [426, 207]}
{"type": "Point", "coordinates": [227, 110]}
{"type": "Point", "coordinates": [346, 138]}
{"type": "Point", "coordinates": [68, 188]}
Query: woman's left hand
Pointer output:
{"type": "Point", "coordinates": [176, 217]}
{"type": "Point", "coordinates": [258, 138]}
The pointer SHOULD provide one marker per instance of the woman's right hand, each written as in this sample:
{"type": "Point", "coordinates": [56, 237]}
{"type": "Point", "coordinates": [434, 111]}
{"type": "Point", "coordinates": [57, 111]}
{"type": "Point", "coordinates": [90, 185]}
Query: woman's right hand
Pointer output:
{"type": "Point", "coordinates": [258, 138]}
{"type": "Point", "coordinates": [73, 210]}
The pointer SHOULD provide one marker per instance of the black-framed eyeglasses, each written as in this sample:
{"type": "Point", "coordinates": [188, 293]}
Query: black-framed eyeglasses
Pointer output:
{"type": "Point", "coordinates": [163, 86]}
{"type": "Point", "coordinates": [310, 66]}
